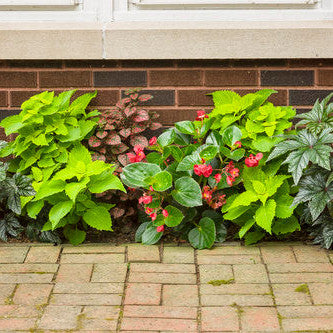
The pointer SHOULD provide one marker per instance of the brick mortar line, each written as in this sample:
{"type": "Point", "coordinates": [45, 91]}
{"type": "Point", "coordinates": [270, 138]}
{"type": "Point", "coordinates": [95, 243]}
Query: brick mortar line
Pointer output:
{"type": "Point", "coordinates": [197, 271]}
{"type": "Point", "coordinates": [26, 255]}
{"type": "Point", "coordinates": [121, 308]}
{"type": "Point", "coordinates": [293, 252]}
{"type": "Point", "coordinates": [271, 289]}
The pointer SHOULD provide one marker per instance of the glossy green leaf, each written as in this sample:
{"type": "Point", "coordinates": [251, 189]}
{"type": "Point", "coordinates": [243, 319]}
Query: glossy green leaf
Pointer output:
{"type": "Point", "coordinates": [203, 236]}
{"type": "Point", "coordinates": [187, 192]}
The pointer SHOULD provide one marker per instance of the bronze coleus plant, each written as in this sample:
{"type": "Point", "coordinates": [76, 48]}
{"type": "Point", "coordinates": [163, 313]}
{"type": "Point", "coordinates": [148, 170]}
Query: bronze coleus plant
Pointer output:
{"type": "Point", "coordinates": [119, 133]}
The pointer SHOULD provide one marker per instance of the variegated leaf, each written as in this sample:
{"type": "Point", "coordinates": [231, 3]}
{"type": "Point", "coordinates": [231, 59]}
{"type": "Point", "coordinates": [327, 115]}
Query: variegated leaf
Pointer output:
{"type": "Point", "coordinates": [123, 159]}
{"type": "Point", "coordinates": [155, 126]}
{"type": "Point", "coordinates": [141, 115]}
{"type": "Point", "coordinates": [129, 111]}
{"type": "Point", "coordinates": [137, 128]}
{"type": "Point", "coordinates": [139, 141]}
{"type": "Point", "coordinates": [101, 134]}
{"type": "Point", "coordinates": [94, 142]}
{"type": "Point", "coordinates": [125, 132]}
{"type": "Point", "coordinates": [113, 139]}
{"type": "Point", "coordinates": [119, 149]}
{"type": "Point", "coordinates": [145, 97]}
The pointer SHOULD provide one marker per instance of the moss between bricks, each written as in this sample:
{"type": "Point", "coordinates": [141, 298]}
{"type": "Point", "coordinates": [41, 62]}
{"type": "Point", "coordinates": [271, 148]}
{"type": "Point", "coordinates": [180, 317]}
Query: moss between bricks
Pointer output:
{"type": "Point", "coordinates": [303, 288]}
{"type": "Point", "coordinates": [217, 283]}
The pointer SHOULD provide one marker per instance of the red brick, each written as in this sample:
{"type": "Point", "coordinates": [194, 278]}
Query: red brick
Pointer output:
{"type": "Point", "coordinates": [17, 97]}
{"type": "Point", "coordinates": [139, 293]}
{"type": "Point", "coordinates": [180, 295]}
{"type": "Point", "coordinates": [65, 79]}
{"type": "Point", "coordinates": [3, 98]}
{"type": "Point", "coordinates": [105, 98]}
{"type": "Point", "coordinates": [219, 319]}
{"type": "Point", "coordinates": [260, 319]}
{"type": "Point", "coordinates": [16, 79]}
{"type": "Point", "coordinates": [74, 273]}
{"type": "Point", "coordinates": [325, 77]}
{"type": "Point", "coordinates": [215, 78]}
{"type": "Point", "coordinates": [169, 117]}
{"type": "Point", "coordinates": [176, 78]}
{"type": "Point", "coordinates": [159, 324]}
{"type": "Point", "coordinates": [195, 97]}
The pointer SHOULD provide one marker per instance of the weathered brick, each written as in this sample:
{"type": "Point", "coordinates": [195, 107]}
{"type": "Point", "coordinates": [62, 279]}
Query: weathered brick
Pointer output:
{"type": "Point", "coordinates": [178, 255]}
{"type": "Point", "coordinates": [234, 289]}
{"type": "Point", "coordinates": [318, 311]}
{"type": "Point", "coordinates": [287, 78]}
{"type": "Point", "coordinates": [228, 259]}
{"type": "Point", "coordinates": [260, 319]}
{"type": "Point", "coordinates": [3, 98]}
{"type": "Point", "coordinates": [162, 268]}
{"type": "Point", "coordinates": [277, 254]}
{"type": "Point", "coordinates": [109, 325]}
{"type": "Point", "coordinates": [25, 278]}
{"type": "Point", "coordinates": [300, 267]}
{"type": "Point", "coordinates": [109, 273]}
{"type": "Point", "coordinates": [160, 311]}
{"type": "Point", "coordinates": [255, 273]}
{"type": "Point", "coordinates": [146, 63]}
{"type": "Point", "coordinates": [171, 278]}
{"type": "Point", "coordinates": [93, 288]}
{"type": "Point", "coordinates": [43, 254]}
{"type": "Point", "coordinates": [90, 63]}
{"type": "Point", "coordinates": [86, 299]}
{"type": "Point", "coordinates": [219, 319]}
{"type": "Point", "coordinates": [175, 78]}
{"type": "Point", "coordinates": [28, 268]}
{"type": "Point", "coordinates": [160, 97]}
{"type": "Point", "coordinates": [195, 97]}
{"type": "Point", "coordinates": [306, 97]}
{"type": "Point", "coordinates": [143, 293]}
{"type": "Point", "coordinates": [60, 317]}
{"type": "Point", "coordinates": [325, 77]}
{"type": "Point", "coordinates": [77, 273]}
{"type": "Point", "coordinates": [286, 294]}
{"type": "Point", "coordinates": [180, 295]}
{"type": "Point", "coordinates": [18, 311]}
{"type": "Point", "coordinates": [94, 248]}
{"type": "Point", "coordinates": [34, 63]}
{"type": "Point", "coordinates": [300, 277]}
{"type": "Point", "coordinates": [242, 300]}
{"type": "Point", "coordinates": [102, 312]}
{"type": "Point", "coordinates": [120, 78]}
{"type": "Point", "coordinates": [64, 79]}
{"type": "Point", "coordinates": [322, 293]}
{"type": "Point", "coordinates": [310, 254]}
{"type": "Point", "coordinates": [106, 98]}
{"type": "Point", "coordinates": [10, 255]}
{"type": "Point", "coordinates": [159, 324]}
{"type": "Point", "coordinates": [15, 324]}
{"type": "Point", "coordinates": [6, 291]}
{"type": "Point", "coordinates": [306, 324]}
{"type": "Point", "coordinates": [32, 294]}
{"type": "Point", "coordinates": [224, 78]}
{"type": "Point", "coordinates": [17, 79]}
{"type": "Point", "coordinates": [143, 253]}
{"type": "Point", "coordinates": [93, 258]}
{"type": "Point", "coordinates": [215, 272]}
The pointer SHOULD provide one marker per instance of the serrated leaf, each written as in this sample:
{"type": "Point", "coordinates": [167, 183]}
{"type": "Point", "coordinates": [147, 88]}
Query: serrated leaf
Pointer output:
{"type": "Point", "coordinates": [98, 218]}
{"type": "Point", "coordinates": [283, 206]}
{"type": "Point", "coordinates": [244, 199]}
{"type": "Point", "coordinates": [265, 214]}
{"type": "Point", "coordinates": [285, 226]}
{"type": "Point", "coordinates": [246, 227]}
{"type": "Point", "coordinates": [59, 211]}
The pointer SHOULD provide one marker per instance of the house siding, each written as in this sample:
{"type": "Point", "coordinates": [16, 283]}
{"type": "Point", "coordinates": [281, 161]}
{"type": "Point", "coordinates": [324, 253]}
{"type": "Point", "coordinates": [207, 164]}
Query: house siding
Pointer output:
{"type": "Point", "coordinates": [179, 87]}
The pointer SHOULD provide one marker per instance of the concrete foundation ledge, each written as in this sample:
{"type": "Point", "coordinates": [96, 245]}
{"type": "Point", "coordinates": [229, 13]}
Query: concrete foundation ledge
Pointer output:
{"type": "Point", "coordinates": [166, 40]}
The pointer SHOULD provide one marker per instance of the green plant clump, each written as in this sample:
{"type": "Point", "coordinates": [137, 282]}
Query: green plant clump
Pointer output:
{"type": "Point", "coordinates": [48, 150]}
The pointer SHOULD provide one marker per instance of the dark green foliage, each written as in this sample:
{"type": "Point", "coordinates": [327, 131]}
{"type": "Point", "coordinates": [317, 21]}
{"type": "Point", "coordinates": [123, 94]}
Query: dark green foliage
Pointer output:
{"type": "Point", "coordinates": [310, 162]}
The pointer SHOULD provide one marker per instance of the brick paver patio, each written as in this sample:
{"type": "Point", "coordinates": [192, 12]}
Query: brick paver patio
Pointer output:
{"type": "Point", "coordinates": [94, 288]}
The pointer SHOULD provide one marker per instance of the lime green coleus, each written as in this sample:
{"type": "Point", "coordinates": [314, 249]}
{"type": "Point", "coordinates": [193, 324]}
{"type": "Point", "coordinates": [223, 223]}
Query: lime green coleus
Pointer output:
{"type": "Point", "coordinates": [48, 149]}
{"type": "Point", "coordinates": [265, 205]}
{"type": "Point", "coordinates": [259, 120]}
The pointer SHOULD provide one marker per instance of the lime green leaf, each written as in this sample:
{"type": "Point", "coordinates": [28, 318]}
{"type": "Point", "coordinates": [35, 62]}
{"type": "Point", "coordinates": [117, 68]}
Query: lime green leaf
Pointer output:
{"type": "Point", "coordinates": [105, 181]}
{"type": "Point", "coordinates": [246, 227]}
{"type": "Point", "coordinates": [254, 237]}
{"type": "Point", "coordinates": [33, 208]}
{"type": "Point", "coordinates": [187, 192]}
{"type": "Point", "coordinates": [203, 236]}
{"type": "Point", "coordinates": [37, 174]}
{"type": "Point", "coordinates": [259, 187]}
{"type": "Point", "coordinates": [73, 189]}
{"type": "Point", "coordinates": [12, 124]}
{"type": "Point", "coordinates": [59, 211]}
{"type": "Point", "coordinates": [175, 216]}
{"type": "Point", "coordinates": [49, 188]}
{"type": "Point", "coordinates": [285, 226]}
{"type": "Point", "coordinates": [265, 214]}
{"type": "Point", "coordinates": [244, 199]}
{"type": "Point", "coordinates": [98, 218]}
{"type": "Point", "coordinates": [283, 206]}
{"type": "Point", "coordinates": [235, 212]}
{"type": "Point", "coordinates": [162, 181]}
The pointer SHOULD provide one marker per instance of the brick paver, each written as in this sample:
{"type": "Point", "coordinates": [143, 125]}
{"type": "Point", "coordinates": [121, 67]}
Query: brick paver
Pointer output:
{"type": "Point", "coordinates": [273, 287]}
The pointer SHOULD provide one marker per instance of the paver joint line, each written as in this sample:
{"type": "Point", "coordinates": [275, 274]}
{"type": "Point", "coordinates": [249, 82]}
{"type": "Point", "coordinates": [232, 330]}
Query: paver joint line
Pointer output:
{"type": "Point", "coordinates": [273, 287]}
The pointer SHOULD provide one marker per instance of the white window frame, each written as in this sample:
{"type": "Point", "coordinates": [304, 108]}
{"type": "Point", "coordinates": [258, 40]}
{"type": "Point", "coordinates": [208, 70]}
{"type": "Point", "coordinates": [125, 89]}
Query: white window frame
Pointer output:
{"type": "Point", "coordinates": [55, 10]}
{"type": "Point", "coordinates": [223, 10]}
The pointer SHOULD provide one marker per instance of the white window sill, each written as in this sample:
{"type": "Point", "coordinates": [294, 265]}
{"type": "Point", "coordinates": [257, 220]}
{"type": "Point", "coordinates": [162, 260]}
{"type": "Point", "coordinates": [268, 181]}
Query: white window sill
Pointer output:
{"type": "Point", "coordinates": [166, 40]}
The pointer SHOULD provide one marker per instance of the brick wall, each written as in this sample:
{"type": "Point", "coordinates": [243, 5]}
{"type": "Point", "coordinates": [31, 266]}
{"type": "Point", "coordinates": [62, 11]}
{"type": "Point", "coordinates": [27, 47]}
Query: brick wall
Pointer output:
{"type": "Point", "coordinates": [179, 87]}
